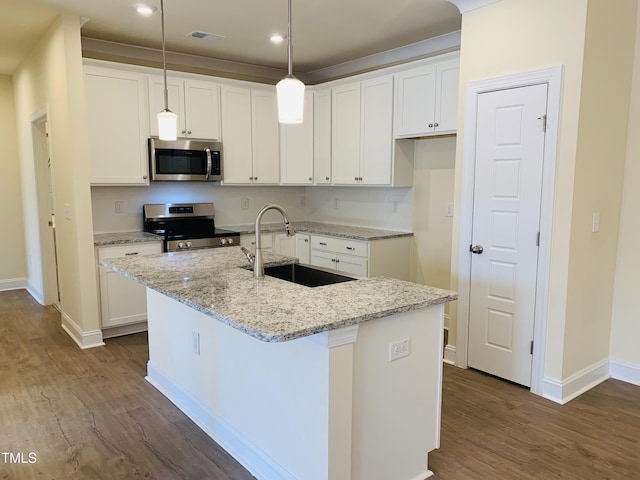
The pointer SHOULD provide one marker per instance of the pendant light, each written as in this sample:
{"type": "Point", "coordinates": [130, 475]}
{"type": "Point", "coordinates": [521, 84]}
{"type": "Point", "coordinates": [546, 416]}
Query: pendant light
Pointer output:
{"type": "Point", "coordinates": [167, 120]}
{"type": "Point", "coordinates": [290, 90]}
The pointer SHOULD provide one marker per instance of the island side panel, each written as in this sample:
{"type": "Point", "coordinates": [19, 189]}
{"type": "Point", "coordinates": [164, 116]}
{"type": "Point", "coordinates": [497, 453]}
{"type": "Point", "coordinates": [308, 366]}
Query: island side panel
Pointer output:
{"type": "Point", "coordinates": [396, 405]}
{"type": "Point", "coordinates": [265, 403]}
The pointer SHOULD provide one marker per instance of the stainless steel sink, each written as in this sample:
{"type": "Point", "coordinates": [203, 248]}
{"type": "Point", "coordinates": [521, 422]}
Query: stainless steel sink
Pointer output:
{"type": "Point", "coordinates": [303, 275]}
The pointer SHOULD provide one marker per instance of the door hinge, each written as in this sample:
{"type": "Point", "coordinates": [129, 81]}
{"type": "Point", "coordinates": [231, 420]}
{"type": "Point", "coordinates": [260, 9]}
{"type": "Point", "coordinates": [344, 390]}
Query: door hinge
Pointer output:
{"type": "Point", "coordinates": [531, 352]}
{"type": "Point", "coordinates": [544, 122]}
{"type": "Point", "coordinates": [538, 240]}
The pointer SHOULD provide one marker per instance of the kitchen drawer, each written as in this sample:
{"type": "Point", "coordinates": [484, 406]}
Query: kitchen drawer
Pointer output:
{"type": "Point", "coordinates": [340, 245]}
{"type": "Point", "coordinates": [129, 250]}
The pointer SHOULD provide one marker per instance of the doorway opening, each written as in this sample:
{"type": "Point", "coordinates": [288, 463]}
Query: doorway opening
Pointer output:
{"type": "Point", "coordinates": [43, 167]}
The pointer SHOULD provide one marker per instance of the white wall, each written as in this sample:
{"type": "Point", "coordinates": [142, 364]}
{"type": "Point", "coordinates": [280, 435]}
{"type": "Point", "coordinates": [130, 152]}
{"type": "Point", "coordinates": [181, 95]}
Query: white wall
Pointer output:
{"type": "Point", "coordinates": [13, 269]}
{"type": "Point", "coordinates": [375, 207]}
{"type": "Point", "coordinates": [590, 39]}
{"type": "Point", "coordinates": [433, 180]}
{"type": "Point", "coordinates": [625, 333]}
{"type": "Point", "coordinates": [51, 77]}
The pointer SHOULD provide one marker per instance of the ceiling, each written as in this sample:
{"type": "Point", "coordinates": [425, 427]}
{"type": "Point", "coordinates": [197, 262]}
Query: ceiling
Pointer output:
{"type": "Point", "coordinates": [325, 32]}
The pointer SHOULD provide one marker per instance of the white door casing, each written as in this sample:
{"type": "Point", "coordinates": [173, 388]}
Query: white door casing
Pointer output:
{"type": "Point", "coordinates": [506, 218]}
{"type": "Point", "coordinates": [464, 209]}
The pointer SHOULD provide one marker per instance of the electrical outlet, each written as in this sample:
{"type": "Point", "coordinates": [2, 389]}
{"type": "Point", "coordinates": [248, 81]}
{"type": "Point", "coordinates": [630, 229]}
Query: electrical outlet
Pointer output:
{"type": "Point", "coordinates": [395, 206]}
{"type": "Point", "coordinates": [195, 342]}
{"type": "Point", "coordinates": [302, 201]}
{"type": "Point", "coordinates": [399, 349]}
{"type": "Point", "coordinates": [595, 222]}
{"type": "Point", "coordinates": [336, 203]}
{"type": "Point", "coordinates": [244, 203]}
{"type": "Point", "coordinates": [67, 211]}
{"type": "Point", "coordinates": [449, 210]}
{"type": "Point", "coordinates": [119, 206]}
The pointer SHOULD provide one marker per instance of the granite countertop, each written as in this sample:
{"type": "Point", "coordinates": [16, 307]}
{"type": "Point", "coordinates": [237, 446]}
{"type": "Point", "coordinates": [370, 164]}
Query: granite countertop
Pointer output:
{"type": "Point", "coordinates": [218, 283]}
{"type": "Point", "coordinates": [122, 238]}
{"type": "Point", "coordinates": [345, 231]}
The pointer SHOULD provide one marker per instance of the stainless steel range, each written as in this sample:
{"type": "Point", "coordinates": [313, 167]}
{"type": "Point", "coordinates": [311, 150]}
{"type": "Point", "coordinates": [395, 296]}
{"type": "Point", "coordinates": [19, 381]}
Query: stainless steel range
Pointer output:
{"type": "Point", "coordinates": [186, 226]}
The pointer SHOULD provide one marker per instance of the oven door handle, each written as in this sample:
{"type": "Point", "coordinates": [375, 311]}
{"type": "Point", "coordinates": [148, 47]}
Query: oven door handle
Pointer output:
{"type": "Point", "coordinates": [208, 150]}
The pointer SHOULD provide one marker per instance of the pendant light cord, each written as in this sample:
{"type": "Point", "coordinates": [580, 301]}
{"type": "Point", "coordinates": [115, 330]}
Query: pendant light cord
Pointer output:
{"type": "Point", "coordinates": [289, 48]}
{"type": "Point", "coordinates": [164, 58]}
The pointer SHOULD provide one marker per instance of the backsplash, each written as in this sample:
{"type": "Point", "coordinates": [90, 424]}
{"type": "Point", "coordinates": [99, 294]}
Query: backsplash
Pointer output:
{"type": "Point", "coordinates": [228, 202]}
{"type": "Point", "coordinates": [388, 208]}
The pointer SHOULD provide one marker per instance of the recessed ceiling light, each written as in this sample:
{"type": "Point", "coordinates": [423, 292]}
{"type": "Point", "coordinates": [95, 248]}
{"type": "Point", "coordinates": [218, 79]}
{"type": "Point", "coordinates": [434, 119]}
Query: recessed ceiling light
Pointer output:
{"type": "Point", "coordinates": [276, 38]}
{"type": "Point", "coordinates": [143, 9]}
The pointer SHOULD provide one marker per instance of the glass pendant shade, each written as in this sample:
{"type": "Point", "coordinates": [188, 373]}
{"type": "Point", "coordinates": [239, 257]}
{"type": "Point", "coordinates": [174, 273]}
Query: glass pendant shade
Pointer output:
{"type": "Point", "coordinates": [167, 125]}
{"type": "Point", "coordinates": [290, 93]}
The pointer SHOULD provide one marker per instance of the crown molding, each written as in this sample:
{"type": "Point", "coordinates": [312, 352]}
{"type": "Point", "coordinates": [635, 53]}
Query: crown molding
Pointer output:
{"type": "Point", "coordinates": [467, 5]}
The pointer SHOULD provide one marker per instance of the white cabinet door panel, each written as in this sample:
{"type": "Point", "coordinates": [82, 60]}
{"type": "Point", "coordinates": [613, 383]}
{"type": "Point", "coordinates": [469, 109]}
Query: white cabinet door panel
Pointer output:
{"type": "Point", "coordinates": [116, 108]}
{"type": "Point", "coordinates": [237, 155]}
{"type": "Point", "coordinates": [377, 131]}
{"type": "Point", "coordinates": [202, 107]}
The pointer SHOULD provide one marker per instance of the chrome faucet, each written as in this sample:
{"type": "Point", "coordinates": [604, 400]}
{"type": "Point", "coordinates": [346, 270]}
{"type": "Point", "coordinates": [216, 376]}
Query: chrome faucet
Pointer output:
{"type": "Point", "coordinates": [258, 265]}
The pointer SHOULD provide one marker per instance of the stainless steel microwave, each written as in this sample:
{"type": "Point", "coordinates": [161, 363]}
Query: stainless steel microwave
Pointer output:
{"type": "Point", "coordinates": [185, 160]}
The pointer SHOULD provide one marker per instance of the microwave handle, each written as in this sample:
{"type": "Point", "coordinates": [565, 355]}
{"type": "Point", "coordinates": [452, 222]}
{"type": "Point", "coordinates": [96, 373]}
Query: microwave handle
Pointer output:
{"type": "Point", "coordinates": [208, 162]}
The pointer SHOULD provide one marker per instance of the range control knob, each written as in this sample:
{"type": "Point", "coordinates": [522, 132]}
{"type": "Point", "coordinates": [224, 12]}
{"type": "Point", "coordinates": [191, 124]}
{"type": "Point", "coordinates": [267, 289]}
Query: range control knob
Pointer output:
{"type": "Point", "coordinates": [223, 241]}
{"type": "Point", "coordinates": [230, 240]}
{"type": "Point", "coordinates": [189, 243]}
{"type": "Point", "coordinates": [180, 244]}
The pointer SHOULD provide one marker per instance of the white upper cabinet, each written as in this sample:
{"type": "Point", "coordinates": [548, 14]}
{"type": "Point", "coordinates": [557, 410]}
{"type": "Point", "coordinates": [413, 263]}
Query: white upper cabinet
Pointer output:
{"type": "Point", "coordinates": [250, 131]}
{"type": "Point", "coordinates": [362, 136]}
{"type": "Point", "coordinates": [195, 102]}
{"type": "Point", "coordinates": [427, 100]}
{"type": "Point", "coordinates": [296, 147]}
{"type": "Point", "coordinates": [118, 125]}
{"type": "Point", "coordinates": [322, 137]}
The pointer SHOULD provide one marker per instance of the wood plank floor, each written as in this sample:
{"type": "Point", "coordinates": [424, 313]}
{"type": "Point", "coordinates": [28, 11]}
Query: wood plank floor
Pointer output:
{"type": "Point", "coordinates": [492, 429]}
{"type": "Point", "coordinates": [90, 415]}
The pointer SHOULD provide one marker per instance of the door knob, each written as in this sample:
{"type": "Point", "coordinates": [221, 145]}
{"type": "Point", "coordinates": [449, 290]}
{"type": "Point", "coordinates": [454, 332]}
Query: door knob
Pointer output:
{"type": "Point", "coordinates": [477, 249]}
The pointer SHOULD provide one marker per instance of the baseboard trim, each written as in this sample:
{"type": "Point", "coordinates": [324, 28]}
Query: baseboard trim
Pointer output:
{"type": "Point", "coordinates": [450, 355]}
{"type": "Point", "coordinates": [566, 390]}
{"type": "Point", "coordinates": [35, 293]}
{"type": "Point", "coordinates": [250, 457]}
{"type": "Point", "coordinates": [625, 371]}
{"type": "Point", "coordinates": [12, 284]}
{"type": "Point", "coordinates": [84, 340]}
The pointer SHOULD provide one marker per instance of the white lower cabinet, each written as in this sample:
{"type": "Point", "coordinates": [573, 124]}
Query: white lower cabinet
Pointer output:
{"type": "Point", "coordinates": [122, 301]}
{"type": "Point", "coordinates": [388, 257]}
{"type": "Point", "coordinates": [303, 247]}
{"type": "Point", "coordinates": [341, 254]}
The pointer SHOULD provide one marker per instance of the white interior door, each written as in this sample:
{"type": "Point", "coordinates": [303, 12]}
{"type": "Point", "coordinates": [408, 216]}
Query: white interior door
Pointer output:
{"type": "Point", "coordinates": [506, 217]}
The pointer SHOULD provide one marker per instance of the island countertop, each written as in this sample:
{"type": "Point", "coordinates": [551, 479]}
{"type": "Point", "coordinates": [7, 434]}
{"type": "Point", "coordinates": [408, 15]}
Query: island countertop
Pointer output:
{"type": "Point", "coordinates": [218, 283]}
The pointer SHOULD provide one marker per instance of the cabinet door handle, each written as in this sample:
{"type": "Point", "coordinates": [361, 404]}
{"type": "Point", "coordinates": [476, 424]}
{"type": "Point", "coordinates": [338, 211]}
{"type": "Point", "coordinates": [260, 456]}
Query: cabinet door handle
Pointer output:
{"type": "Point", "coordinates": [128, 254]}
{"type": "Point", "coordinates": [436, 124]}
{"type": "Point", "coordinates": [337, 260]}
{"type": "Point", "coordinates": [306, 240]}
{"type": "Point", "coordinates": [184, 131]}
{"type": "Point", "coordinates": [189, 132]}
{"type": "Point", "coordinates": [431, 125]}
{"type": "Point", "coordinates": [326, 178]}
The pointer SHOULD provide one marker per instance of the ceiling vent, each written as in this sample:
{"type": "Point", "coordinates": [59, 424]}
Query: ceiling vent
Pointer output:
{"type": "Point", "coordinates": [212, 37]}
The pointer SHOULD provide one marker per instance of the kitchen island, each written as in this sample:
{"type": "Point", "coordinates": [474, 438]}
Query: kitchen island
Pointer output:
{"type": "Point", "coordinates": [335, 382]}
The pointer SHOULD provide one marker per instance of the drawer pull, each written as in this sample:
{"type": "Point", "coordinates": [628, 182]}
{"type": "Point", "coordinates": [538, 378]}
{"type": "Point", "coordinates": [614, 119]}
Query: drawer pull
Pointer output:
{"type": "Point", "coordinates": [323, 244]}
{"type": "Point", "coordinates": [128, 254]}
{"type": "Point", "coordinates": [351, 248]}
